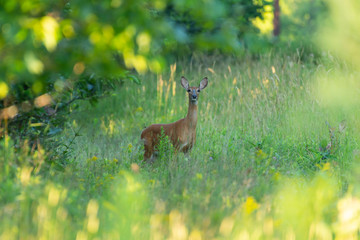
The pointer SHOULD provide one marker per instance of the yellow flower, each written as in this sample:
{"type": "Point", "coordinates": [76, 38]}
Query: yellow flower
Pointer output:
{"type": "Point", "coordinates": [276, 176]}
{"type": "Point", "coordinates": [250, 205]}
{"type": "Point", "coordinates": [266, 83]}
{"type": "Point", "coordinates": [325, 167]}
{"type": "Point", "coordinates": [115, 160]}
{"type": "Point", "coordinates": [199, 176]}
{"type": "Point", "coordinates": [152, 182]}
{"type": "Point", "coordinates": [94, 158]}
{"type": "Point", "coordinates": [260, 154]}
{"type": "Point", "coordinates": [130, 147]}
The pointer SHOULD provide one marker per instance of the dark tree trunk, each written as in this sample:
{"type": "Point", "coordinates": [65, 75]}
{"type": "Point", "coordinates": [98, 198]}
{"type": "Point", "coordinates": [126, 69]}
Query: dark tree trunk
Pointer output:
{"type": "Point", "coordinates": [276, 21]}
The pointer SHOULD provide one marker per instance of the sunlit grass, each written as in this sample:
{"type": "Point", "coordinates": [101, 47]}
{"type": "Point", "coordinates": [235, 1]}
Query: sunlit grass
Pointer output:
{"type": "Point", "coordinates": [258, 159]}
{"type": "Point", "coordinates": [273, 159]}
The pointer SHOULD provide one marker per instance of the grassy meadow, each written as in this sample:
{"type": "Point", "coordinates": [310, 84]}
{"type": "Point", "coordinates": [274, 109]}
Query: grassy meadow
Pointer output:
{"type": "Point", "coordinates": [276, 157]}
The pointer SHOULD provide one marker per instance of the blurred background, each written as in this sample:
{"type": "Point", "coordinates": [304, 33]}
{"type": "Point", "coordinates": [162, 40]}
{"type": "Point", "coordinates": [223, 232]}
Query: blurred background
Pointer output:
{"type": "Point", "coordinates": [47, 46]}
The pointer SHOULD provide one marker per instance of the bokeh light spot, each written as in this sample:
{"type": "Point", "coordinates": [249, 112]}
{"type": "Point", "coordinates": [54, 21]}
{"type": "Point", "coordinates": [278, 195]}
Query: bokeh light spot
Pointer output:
{"type": "Point", "coordinates": [43, 100]}
{"type": "Point", "coordinates": [116, 3]}
{"type": "Point", "coordinates": [79, 68]}
{"type": "Point", "coordinates": [50, 28]}
{"type": "Point", "coordinates": [4, 89]}
{"type": "Point", "coordinates": [143, 40]}
{"type": "Point", "coordinates": [68, 31]}
{"type": "Point", "coordinates": [33, 64]}
{"type": "Point", "coordinates": [9, 112]}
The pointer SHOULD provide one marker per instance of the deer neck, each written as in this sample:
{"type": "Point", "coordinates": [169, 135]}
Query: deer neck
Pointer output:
{"type": "Point", "coordinates": [191, 117]}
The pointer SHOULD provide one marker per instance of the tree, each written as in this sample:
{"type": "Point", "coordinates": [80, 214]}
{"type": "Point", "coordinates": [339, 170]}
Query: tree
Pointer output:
{"type": "Point", "coordinates": [56, 52]}
{"type": "Point", "coordinates": [276, 20]}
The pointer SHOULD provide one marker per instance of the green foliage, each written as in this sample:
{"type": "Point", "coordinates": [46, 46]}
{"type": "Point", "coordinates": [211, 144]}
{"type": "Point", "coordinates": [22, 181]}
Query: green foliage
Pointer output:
{"type": "Point", "coordinates": [41, 40]}
{"type": "Point", "coordinates": [165, 149]}
{"type": "Point", "coordinates": [301, 21]}
{"type": "Point", "coordinates": [222, 26]}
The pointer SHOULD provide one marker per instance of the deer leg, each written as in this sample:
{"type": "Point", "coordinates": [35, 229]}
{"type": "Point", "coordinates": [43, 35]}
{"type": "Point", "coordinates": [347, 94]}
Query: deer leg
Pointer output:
{"type": "Point", "coordinates": [148, 152]}
{"type": "Point", "coordinates": [186, 149]}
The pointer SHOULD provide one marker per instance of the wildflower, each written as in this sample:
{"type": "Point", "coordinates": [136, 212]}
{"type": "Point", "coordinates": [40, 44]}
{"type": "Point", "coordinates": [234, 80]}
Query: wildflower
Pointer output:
{"type": "Point", "coordinates": [277, 176]}
{"type": "Point", "coordinates": [250, 205]}
{"type": "Point", "coordinates": [266, 83]}
{"type": "Point", "coordinates": [324, 166]}
{"type": "Point", "coordinates": [115, 160]}
{"type": "Point", "coordinates": [199, 176]}
{"type": "Point", "coordinates": [130, 147]}
{"type": "Point", "coordinates": [94, 158]}
{"type": "Point", "coordinates": [260, 154]}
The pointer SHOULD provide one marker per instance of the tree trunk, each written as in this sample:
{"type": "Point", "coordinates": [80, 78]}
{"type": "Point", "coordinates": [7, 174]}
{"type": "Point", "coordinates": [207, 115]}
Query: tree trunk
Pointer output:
{"type": "Point", "coordinates": [276, 21]}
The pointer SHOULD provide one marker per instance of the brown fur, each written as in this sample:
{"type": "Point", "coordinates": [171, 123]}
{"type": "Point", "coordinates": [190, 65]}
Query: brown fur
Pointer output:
{"type": "Point", "coordinates": [181, 133]}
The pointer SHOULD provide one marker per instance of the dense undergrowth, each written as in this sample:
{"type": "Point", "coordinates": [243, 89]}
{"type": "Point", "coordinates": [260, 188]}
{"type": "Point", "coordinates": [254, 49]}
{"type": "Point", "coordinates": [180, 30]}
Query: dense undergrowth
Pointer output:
{"type": "Point", "coordinates": [276, 157]}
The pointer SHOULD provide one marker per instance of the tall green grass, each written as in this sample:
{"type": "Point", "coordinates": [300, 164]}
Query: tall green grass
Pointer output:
{"type": "Point", "coordinates": [275, 157]}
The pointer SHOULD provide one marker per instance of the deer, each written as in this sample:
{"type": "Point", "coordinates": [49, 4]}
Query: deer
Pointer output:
{"type": "Point", "coordinates": [182, 133]}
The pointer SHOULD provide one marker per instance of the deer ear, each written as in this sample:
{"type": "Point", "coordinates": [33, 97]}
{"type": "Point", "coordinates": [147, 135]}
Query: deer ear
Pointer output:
{"type": "Point", "coordinates": [184, 83]}
{"type": "Point", "coordinates": [203, 83]}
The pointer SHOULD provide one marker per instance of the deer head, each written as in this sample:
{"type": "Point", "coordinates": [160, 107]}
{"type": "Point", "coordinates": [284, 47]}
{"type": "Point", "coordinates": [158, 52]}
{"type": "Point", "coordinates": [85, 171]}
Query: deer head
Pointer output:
{"type": "Point", "coordinates": [194, 91]}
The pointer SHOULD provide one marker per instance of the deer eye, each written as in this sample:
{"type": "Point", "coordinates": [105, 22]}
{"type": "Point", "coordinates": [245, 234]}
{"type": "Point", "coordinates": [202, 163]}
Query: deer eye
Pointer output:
{"type": "Point", "coordinates": [198, 90]}
{"type": "Point", "coordinates": [189, 90]}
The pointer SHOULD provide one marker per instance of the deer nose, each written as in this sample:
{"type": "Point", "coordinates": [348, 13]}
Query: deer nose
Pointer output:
{"type": "Point", "coordinates": [194, 96]}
